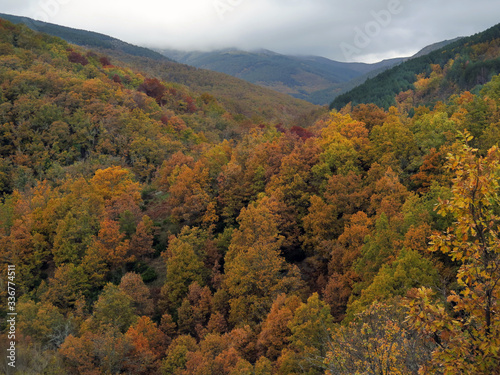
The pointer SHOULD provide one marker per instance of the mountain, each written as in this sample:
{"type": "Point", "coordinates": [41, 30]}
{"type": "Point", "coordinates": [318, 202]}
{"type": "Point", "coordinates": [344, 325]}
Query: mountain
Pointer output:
{"type": "Point", "coordinates": [463, 64]}
{"type": "Point", "coordinates": [313, 78]}
{"type": "Point", "coordinates": [316, 79]}
{"type": "Point", "coordinates": [435, 46]}
{"type": "Point", "coordinates": [147, 228]}
{"type": "Point", "coordinates": [240, 97]}
{"type": "Point", "coordinates": [336, 90]}
{"type": "Point", "coordinates": [84, 38]}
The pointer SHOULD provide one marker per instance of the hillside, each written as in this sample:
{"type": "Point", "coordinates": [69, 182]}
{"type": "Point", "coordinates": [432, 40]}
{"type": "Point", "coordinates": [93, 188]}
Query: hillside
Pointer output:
{"type": "Point", "coordinates": [84, 37]}
{"type": "Point", "coordinates": [312, 78]}
{"type": "Point", "coordinates": [146, 228]}
{"type": "Point", "coordinates": [240, 97]}
{"type": "Point", "coordinates": [259, 103]}
{"type": "Point", "coordinates": [461, 65]}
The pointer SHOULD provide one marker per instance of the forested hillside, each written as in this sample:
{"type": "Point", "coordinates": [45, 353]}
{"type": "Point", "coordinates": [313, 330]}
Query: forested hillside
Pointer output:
{"type": "Point", "coordinates": [312, 78]}
{"type": "Point", "coordinates": [461, 65]}
{"type": "Point", "coordinates": [84, 37]}
{"type": "Point", "coordinates": [152, 230]}
{"type": "Point", "coordinates": [238, 96]}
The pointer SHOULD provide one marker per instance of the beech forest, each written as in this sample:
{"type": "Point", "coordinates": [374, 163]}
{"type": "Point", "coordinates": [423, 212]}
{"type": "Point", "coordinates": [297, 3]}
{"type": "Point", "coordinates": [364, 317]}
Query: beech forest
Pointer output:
{"type": "Point", "coordinates": [155, 230]}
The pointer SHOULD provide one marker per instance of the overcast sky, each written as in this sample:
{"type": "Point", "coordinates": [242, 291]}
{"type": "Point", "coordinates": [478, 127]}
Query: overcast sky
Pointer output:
{"type": "Point", "coordinates": [343, 30]}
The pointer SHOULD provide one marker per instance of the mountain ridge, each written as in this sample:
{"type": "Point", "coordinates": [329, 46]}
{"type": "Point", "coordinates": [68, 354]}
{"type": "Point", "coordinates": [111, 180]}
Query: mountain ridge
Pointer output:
{"type": "Point", "coordinates": [260, 103]}
{"type": "Point", "coordinates": [315, 79]}
{"type": "Point", "coordinates": [301, 76]}
{"type": "Point", "coordinates": [460, 65]}
{"type": "Point", "coordinates": [84, 37]}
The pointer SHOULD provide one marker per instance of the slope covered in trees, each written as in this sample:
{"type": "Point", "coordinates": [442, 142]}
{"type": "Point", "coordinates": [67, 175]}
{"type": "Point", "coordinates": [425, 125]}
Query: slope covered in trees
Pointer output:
{"type": "Point", "coordinates": [152, 232]}
{"type": "Point", "coordinates": [238, 96]}
{"type": "Point", "coordinates": [84, 37]}
{"type": "Point", "coordinates": [312, 78]}
{"type": "Point", "coordinates": [461, 65]}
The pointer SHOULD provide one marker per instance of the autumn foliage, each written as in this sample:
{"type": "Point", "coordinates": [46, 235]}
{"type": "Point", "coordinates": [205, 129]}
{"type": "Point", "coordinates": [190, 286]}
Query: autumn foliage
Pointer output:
{"type": "Point", "coordinates": [156, 231]}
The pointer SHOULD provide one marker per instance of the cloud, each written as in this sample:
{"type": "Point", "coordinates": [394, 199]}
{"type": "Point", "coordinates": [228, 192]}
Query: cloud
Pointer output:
{"type": "Point", "coordinates": [371, 29]}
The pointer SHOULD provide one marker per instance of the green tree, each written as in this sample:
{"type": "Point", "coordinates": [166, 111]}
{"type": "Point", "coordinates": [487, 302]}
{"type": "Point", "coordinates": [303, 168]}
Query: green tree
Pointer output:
{"type": "Point", "coordinates": [380, 247]}
{"type": "Point", "coordinates": [184, 259]}
{"type": "Point", "coordinates": [114, 308]}
{"type": "Point", "coordinates": [409, 270]}
{"type": "Point", "coordinates": [43, 322]}
{"type": "Point", "coordinates": [309, 341]}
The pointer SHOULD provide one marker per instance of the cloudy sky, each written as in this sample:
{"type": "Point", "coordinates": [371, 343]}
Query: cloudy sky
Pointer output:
{"type": "Point", "coordinates": [356, 30]}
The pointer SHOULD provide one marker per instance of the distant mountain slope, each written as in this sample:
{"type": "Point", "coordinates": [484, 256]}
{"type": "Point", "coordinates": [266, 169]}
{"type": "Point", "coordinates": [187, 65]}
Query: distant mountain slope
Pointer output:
{"type": "Point", "coordinates": [334, 91]}
{"type": "Point", "coordinates": [311, 78]}
{"type": "Point", "coordinates": [460, 65]}
{"type": "Point", "coordinates": [435, 46]}
{"type": "Point", "coordinates": [239, 97]}
{"type": "Point", "coordinates": [84, 38]}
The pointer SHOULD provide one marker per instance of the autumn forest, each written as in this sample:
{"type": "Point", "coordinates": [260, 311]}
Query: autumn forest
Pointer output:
{"type": "Point", "coordinates": [157, 228]}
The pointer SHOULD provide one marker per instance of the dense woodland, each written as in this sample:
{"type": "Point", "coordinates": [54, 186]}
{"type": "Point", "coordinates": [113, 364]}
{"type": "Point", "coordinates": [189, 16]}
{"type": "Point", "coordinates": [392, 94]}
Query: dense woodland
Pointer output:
{"type": "Point", "coordinates": [155, 231]}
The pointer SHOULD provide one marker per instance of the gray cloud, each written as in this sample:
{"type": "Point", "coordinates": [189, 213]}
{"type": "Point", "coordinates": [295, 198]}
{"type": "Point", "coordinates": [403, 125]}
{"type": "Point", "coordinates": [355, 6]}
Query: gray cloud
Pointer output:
{"type": "Point", "coordinates": [356, 30]}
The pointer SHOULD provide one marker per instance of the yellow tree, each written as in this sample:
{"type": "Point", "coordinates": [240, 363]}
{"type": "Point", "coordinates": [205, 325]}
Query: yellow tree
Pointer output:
{"type": "Point", "coordinates": [184, 260]}
{"type": "Point", "coordinates": [255, 272]}
{"type": "Point", "coordinates": [378, 341]}
{"type": "Point", "coordinates": [468, 333]}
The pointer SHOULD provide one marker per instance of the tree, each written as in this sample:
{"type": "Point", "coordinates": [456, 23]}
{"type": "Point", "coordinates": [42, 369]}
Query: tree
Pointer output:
{"type": "Point", "coordinates": [189, 195]}
{"type": "Point", "coordinates": [67, 285]}
{"type": "Point", "coordinates": [468, 331]}
{"type": "Point", "coordinates": [345, 251]}
{"type": "Point", "coordinates": [380, 247]}
{"type": "Point", "coordinates": [113, 308]}
{"type": "Point", "coordinates": [74, 235]}
{"type": "Point", "coordinates": [379, 341]}
{"type": "Point", "coordinates": [76, 58]}
{"type": "Point", "coordinates": [132, 284]}
{"type": "Point", "coordinates": [22, 241]}
{"type": "Point", "coordinates": [320, 224]}
{"type": "Point", "coordinates": [177, 354]}
{"type": "Point", "coordinates": [409, 270]}
{"type": "Point", "coordinates": [430, 170]}
{"type": "Point", "coordinates": [234, 190]}
{"type": "Point", "coordinates": [195, 310]}
{"type": "Point", "coordinates": [309, 341]}
{"type": "Point", "coordinates": [369, 114]}
{"type": "Point", "coordinates": [105, 351]}
{"type": "Point", "coordinates": [255, 271]}
{"type": "Point", "coordinates": [345, 143]}
{"type": "Point", "coordinates": [148, 346]}
{"type": "Point", "coordinates": [263, 366]}
{"type": "Point", "coordinates": [43, 322]}
{"type": "Point", "coordinates": [275, 334]}
{"type": "Point", "coordinates": [388, 194]}
{"type": "Point", "coordinates": [111, 244]}
{"type": "Point", "coordinates": [113, 183]}
{"type": "Point", "coordinates": [154, 88]}
{"type": "Point", "coordinates": [394, 144]}
{"type": "Point", "coordinates": [184, 259]}
{"type": "Point", "coordinates": [141, 243]}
